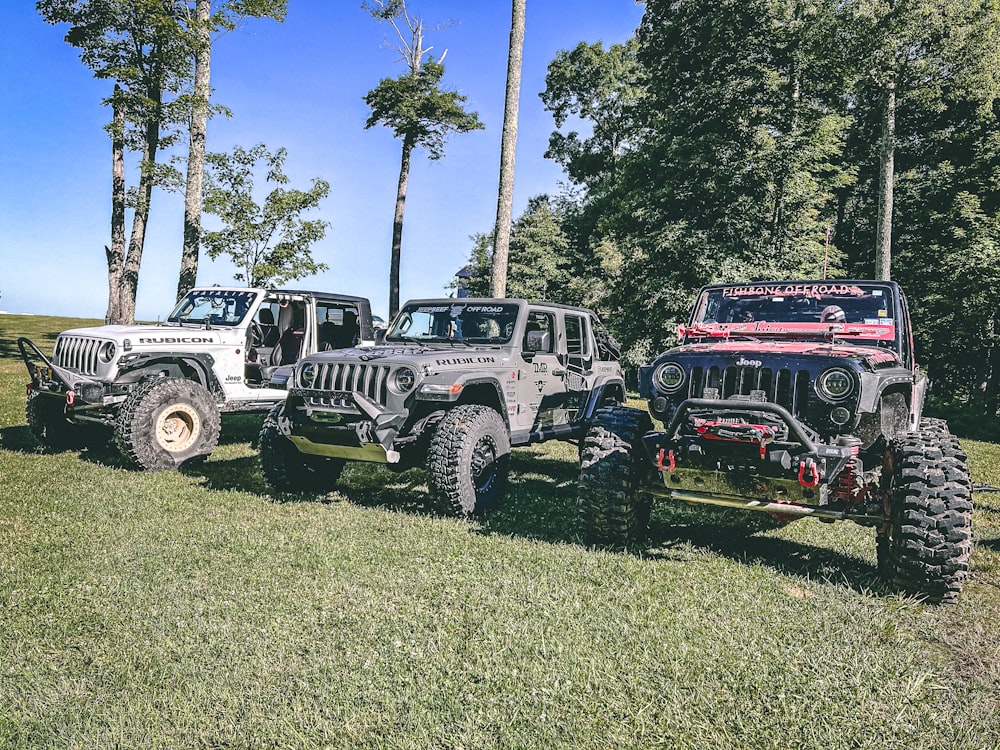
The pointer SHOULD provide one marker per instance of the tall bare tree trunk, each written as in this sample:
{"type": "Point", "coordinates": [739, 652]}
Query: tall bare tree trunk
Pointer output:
{"type": "Point", "coordinates": [883, 236]}
{"type": "Point", "coordinates": [116, 253]}
{"type": "Point", "coordinates": [130, 271]}
{"type": "Point", "coordinates": [397, 225]}
{"type": "Point", "coordinates": [188, 276]}
{"type": "Point", "coordinates": [508, 151]}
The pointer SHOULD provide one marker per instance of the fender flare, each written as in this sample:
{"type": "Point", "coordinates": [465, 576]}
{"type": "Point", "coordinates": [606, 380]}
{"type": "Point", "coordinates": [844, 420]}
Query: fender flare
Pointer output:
{"type": "Point", "coordinates": [201, 364]}
{"type": "Point", "coordinates": [598, 393]}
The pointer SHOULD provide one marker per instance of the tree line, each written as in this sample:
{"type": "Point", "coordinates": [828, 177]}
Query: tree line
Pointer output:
{"type": "Point", "coordinates": [759, 139]}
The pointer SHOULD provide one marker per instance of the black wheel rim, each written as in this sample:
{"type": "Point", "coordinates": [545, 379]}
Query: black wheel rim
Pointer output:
{"type": "Point", "coordinates": [484, 466]}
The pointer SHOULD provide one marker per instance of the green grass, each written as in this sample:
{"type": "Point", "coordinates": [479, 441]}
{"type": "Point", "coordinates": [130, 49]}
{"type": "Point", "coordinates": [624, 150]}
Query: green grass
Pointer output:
{"type": "Point", "coordinates": [196, 609]}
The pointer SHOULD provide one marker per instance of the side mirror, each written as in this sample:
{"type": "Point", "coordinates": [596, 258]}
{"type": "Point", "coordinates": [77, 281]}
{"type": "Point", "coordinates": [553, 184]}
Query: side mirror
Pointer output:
{"type": "Point", "coordinates": [537, 341]}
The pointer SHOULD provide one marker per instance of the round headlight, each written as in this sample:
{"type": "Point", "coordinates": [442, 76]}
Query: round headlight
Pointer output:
{"type": "Point", "coordinates": [107, 351]}
{"type": "Point", "coordinates": [669, 377]}
{"type": "Point", "coordinates": [835, 384]}
{"type": "Point", "coordinates": [307, 374]}
{"type": "Point", "coordinates": [403, 379]}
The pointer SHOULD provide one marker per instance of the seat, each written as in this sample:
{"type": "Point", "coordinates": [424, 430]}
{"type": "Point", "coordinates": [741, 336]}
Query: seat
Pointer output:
{"type": "Point", "coordinates": [345, 335]}
{"type": "Point", "coordinates": [268, 328]}
{"type": "Point", "coordinates": [290, 343]}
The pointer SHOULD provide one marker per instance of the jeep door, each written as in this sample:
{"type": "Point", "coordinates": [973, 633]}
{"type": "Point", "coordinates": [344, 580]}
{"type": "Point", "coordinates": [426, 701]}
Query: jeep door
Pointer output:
{"type": "Point", "coordinates": [542, 392]}
{"type": "Point", "coordinates": [579, 363]}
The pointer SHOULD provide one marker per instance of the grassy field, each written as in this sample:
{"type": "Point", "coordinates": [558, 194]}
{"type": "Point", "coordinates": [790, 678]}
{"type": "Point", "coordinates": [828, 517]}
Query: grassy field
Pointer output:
{"type": "Point", "coordinates": [196, 609]}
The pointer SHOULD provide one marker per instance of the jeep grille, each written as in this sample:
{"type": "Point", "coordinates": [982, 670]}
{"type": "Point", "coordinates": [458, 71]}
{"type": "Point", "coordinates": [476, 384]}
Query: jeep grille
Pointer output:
{"type": "Point", "coordinates": [785, 387]}
{"type": "Point", "coordinates": [77, 353]}
{"type": "Point", "coordinates": [371, 380]}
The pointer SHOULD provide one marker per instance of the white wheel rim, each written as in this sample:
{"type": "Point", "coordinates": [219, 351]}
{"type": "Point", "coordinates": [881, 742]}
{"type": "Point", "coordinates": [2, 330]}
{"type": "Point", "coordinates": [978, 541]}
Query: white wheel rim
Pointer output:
{"type": "Point", "coordinates": [177, 428]}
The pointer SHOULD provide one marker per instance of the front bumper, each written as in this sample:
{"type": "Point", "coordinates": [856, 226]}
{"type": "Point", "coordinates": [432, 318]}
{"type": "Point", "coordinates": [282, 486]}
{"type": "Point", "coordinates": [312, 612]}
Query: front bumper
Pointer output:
{"type": "Point", "coordinates": [768, 461]}
{"type": "Point", "coordinates": [356, 429]}
{"type": "Point", "coordinates": [79, 391]}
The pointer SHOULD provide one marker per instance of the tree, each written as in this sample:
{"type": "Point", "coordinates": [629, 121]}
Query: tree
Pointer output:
{"type": "Point", "coordinates": [508, 150]}
{"type": "Point", "coordinates": [714, 152]}
{"type": "Point", "coordinates": [270, 243]}
{"type": "Point", "coordinates": [906, 50]}
{"type": "Point", "coordinates": [416, 109]}
{"type": "Point", "coordinates": [143, 47]}
{"type": "Point", "coordinates": [201, 26]}
{"type": "Point", "coordinates": [539, 263]}
{"type": "Point", "coordinates": [197, 129]}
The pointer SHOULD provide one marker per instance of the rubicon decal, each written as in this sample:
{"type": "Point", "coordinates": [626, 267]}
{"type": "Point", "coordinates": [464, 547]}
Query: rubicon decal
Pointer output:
{"type": "Point", "coordinates": [464, 360]}
{"type": "Point", "coordinates": [175, 340]}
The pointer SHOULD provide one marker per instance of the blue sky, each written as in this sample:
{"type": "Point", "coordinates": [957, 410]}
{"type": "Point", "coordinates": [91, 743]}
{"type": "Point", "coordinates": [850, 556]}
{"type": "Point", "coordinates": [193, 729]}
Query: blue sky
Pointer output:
{"type": "Point", "coordinates": [298, 84]}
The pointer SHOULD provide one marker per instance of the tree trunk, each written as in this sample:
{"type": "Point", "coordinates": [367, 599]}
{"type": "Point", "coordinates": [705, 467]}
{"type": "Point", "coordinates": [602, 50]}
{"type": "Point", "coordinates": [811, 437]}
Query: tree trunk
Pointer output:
{"type": "Point", "coordinates": [130, 272]}
{"type": "Point", "coordinates": [116, 253]}
{"type": "Point", "coordinates": [508, 150]}
{"type": "Point", "coordinates": [883, 237]}
{"type": "Point", "coordinates": [188, 276]}
{"type": "Point", "coordinates": [397, 225]}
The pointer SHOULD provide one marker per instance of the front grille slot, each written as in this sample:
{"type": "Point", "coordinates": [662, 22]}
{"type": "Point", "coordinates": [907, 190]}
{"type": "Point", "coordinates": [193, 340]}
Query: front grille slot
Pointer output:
{"type": "Point", "coordinates": [785, 387]}
{"type": "Point", "coordinates": [77, 353]}
{"type": "Point", "coordinates": [345, 377]}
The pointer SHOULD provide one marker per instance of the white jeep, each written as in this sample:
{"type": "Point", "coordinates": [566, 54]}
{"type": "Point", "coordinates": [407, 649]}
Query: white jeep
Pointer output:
{"type": "Point", "coordinates": [161, 388]}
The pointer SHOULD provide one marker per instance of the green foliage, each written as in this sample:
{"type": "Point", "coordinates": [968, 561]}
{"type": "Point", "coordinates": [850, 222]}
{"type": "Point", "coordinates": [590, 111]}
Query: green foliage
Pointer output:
{"type": "Point", "coordinates": [417, 111]}
{"type": "Point", "coordinates": [270, 243]}
{"type": "Point", "coordinates": [142, 45]}
{"type": "Point", "coordinates": [943, 59]}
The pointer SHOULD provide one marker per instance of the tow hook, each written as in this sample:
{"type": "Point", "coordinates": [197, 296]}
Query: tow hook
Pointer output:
{"type": "Point", "coordinates": [670, 456]}
{"type": "Point", "coordinates": [70, 398]}
{"type": "Point", "coordinates": [810, 466]}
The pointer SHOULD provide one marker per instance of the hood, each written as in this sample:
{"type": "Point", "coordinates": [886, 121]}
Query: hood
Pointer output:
{"type": "Point", "coordinates": [157, 336]}
{"type": "Point", "coordinates": [432, 359]}
{"type": "Point", "coordinates": [872, 357]}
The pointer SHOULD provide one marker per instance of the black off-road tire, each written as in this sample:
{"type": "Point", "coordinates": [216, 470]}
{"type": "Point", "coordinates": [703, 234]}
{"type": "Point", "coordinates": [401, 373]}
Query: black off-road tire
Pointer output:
{"type": "Point", "coordinates": [286, 469]}
{"type": "Point", "coordinates": [925, 549]}
{"type": "Point", "coordinates": [46, 416]}
{"type": "Point", "coordinates": [469, 460]}
{"type": "Point", "coordinates": [167, 422]}
{"type": "Point", "coordinates": [612, 468]}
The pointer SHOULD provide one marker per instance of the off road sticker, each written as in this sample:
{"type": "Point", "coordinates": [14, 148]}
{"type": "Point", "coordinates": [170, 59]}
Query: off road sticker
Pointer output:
{"type": "Point", "coordinates": [794, 290]}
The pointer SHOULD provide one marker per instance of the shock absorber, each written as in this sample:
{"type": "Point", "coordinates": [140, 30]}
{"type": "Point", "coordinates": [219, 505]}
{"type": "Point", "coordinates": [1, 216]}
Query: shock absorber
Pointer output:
{"type": "Point", "coordinates": [845, 488]}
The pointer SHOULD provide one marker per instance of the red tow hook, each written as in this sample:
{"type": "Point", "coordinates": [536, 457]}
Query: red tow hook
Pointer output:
{"type": "Point", "coordinates": [813, 477]}
{"type": "Point", "coordinates": [70, 398]}
{"type": "Point", "coordinates": [659, 461]}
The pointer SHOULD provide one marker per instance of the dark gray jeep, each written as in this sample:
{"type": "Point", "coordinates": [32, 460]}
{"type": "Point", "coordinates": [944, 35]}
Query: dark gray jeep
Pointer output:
{"type": "Point", "coordinates": [795, 398]}
{"type": "Point", "coordinates": [454, 385]}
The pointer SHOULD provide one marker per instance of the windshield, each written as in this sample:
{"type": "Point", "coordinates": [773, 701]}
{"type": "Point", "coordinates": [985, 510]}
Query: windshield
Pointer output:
{"type": "Point", "coordinates": [455, 321]}
{"type": "Point", "coordinates": [213, 307]}
{"type": "Point", "coordinates": [862, 310]}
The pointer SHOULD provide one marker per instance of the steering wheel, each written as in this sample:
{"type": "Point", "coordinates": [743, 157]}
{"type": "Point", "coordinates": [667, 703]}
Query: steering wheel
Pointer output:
{"type": "Point", "coordinates": [256, 336]}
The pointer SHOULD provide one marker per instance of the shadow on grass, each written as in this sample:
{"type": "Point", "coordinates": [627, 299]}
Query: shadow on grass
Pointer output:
{"type": "Point", "coordinates": [96, 444]}
{"type": "Point", "coordinates": [739, 536]}
{"type": "Point", "coordinates": [541, 505]}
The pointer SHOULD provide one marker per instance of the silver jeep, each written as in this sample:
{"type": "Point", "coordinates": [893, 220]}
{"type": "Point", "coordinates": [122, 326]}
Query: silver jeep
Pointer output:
{"type": "Point", "coordinates": [454, 384]}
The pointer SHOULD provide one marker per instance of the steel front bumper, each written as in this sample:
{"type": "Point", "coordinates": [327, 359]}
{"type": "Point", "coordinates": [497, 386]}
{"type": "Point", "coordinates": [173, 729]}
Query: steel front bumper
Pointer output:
{"type": "Point", "coordinates": [749, 464]}
{"type": "Point", "coordinates": [79, 391]}
{"type": "Point", "coordinates": [359, 429]}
